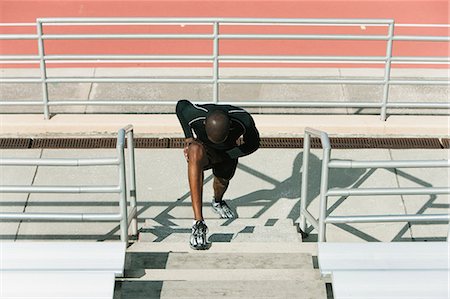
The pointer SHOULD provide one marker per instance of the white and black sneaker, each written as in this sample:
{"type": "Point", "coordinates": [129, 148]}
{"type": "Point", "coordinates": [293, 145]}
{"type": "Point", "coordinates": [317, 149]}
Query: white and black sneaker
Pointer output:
{"type": "Point", "coordinates": [198, 239]}
{"type": "Point", "coordinates": [222, 209]}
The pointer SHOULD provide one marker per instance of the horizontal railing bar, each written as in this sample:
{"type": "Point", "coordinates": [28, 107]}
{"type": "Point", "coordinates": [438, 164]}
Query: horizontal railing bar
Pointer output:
{"type": "Point", "coordinates": [423, 82]}
{"type": "Point", "coordinates": [20, 80]}
{"type": "Point", "coordinates": [311, 219]}
{"type": "Point", "coordinates": [388, 191]}
{"type": "Point", "coordinates": [21, 103]}
{"type": "Point", "coordinates": [418, 105]}
{"type": "Point", "coordinates": [19, 57]}
{"type": "Point", "coordinates": [226, 58]}
{"type": "Point", "coordinates": [125, 80]}
{"type": "Point", "coordinates": [388, 164]}
{"type": "Point", "coordinates": [210, 36]}
{"type": "Point", "coordinates": [303, 36]}
{"type": "Point", "coordinates": [420, 62]}
{"type": "Point", "coordinates": [125, 36]}
{"type": "Point", "coordinates": [118, 61]}
{"type": "Point", "coordinates": [246, 103]}
{"type": "Point", "coordinates": [212, 20]}
{"type": "Point", "coordinates": [421, 59]}
{"type": "Point", "coordinates": [112, 103]}
{"type": "Point", "coordinates": [61, 216]}
{"type": "Point", "coordinates": [128, 57]}
{"type": "Point", "coordinates": [17, 24]}
{"type": "Point", "coordinates": [422, 38]}
{"type": "Point", "coordinates": [18, 36]}
{"type": "Point", "coordinates": [32, 62]}
{"type": "Point", "coordinates": [309, 81]}
{"type": "Point", "coordinates": [303, 104]}
{"type": "Point", "coordinates": [164, 23]}
{"type": "Point", "coordinates": [305, 58]}
{"type": "Point", "coordinates": [59, 162]}
{"type": "Point", "coordinates": [389, 218]}
{"type": "Point", "coordinates": [255, 103]}
{"type": "Point", "coordinates": [59, 189]}
{"type": "Point", "coordinates": [424, 25]}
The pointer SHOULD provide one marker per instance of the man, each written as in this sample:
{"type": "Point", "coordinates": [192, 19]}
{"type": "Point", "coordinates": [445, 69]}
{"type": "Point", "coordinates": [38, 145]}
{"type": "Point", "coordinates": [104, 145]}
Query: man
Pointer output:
{"type": "Point", "coordinates": [214, 145]}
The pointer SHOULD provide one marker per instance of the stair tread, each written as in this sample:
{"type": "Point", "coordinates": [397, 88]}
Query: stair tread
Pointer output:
{"type": "Point", "coordinates": [300, 288]}
{"type": "Point", "coordinates": [276, 247]}
{"type": "Point", "coordinates": [223, 237]}
{"type": "Point", "coordinates": [223, 274]}
{"type": "Point", "coordinates": [187, 222]}
{"type": "Point", "coordinates": [219, 260]}
{"type": "Point", "coordinates": [224, 230]}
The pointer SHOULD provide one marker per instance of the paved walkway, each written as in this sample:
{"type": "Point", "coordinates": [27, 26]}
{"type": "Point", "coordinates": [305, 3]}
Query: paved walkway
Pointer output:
{"type": "Point", "coordinates": [266, 186]}
{"type": "Point", "coordinates": [267, 183]}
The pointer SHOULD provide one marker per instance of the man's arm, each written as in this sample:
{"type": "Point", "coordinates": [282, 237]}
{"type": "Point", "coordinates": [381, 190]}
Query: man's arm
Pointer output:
{"type": "Point", "coordinates": [182, 111]}
{"type": "Point", "coordinates": [251, 141]}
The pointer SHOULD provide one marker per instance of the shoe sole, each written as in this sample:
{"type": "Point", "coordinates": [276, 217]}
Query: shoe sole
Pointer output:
{"type": "Point", "coordinates": [217, 212]}
{"type": "Point", "coordinates": [203, 247]}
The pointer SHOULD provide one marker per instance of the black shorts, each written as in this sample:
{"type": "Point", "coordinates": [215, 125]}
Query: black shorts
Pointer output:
{"type": "Point", "coordinates": [222, 166]}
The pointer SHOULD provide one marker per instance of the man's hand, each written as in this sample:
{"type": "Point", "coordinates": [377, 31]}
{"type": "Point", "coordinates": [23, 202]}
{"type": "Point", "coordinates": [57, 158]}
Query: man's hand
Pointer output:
{"type": "Point", "coordinates": [187, 142]}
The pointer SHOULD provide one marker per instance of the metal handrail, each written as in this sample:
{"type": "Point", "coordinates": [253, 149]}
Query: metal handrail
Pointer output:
{"type": "Point", "coordinates": [325, 191]}
{"type": "Point", "coordinates": [127, 218]}
{"type": "Point", "coordinates": [216, 59]}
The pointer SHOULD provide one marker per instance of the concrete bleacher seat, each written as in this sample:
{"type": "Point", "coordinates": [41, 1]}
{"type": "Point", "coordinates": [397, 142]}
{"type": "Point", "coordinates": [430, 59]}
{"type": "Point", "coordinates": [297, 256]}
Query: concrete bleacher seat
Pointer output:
{"type": "Point", "coordinates": [60, 269]}
{"type": "Point", "coordinates": [63, 256]}
{"type": "Point", "coordinates": [381, 284]}
{"type": "Point", "coordinates": [57, 284]}
{"type": "Point", "coordinates": [383, 256]}
{"type": "Point", "coordinates": [387, 270]}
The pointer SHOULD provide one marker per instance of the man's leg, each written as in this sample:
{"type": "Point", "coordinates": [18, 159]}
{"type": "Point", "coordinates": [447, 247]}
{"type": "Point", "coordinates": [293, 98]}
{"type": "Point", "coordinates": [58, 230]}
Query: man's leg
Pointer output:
{"type": "Point", "coordinates": [219, 206]}
{"type": "Point", "coordinates": [197, 159]}
{"type": "Point", "coordinates": [220, 186]}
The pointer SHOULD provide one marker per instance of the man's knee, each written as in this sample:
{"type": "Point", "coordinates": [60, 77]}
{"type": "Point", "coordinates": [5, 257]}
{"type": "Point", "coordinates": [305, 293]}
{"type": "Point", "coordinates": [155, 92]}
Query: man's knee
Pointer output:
{"type": "Point", "coordinates": [196, 152]}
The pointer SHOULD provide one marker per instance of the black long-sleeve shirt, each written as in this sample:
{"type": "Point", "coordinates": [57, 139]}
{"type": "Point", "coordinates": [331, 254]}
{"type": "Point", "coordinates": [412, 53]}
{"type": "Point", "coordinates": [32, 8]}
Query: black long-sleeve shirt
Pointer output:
{"type": "Point", "coordinates": [192, 118]}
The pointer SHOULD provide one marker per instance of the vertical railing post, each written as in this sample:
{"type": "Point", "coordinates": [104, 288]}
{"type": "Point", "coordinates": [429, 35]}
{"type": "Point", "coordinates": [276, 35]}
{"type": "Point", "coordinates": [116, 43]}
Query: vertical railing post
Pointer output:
{"type": "Point", "coordinates": [323, 194]}
{"type": "Point", "coordinates": [216, 63]}
{"type": "Point", "coordinates": [133, 204]}
{"type": "Point", "coordinates": [304, 191]}
{"type": "Point", "coordinates": [123, 187]}
{"type": "Point", "coordinates": [387, 71]}
{"type": "Point", "coordinates": [43, 69]}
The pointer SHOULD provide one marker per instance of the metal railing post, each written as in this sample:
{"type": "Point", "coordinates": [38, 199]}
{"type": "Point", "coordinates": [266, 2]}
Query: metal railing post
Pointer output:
{"type": "Point", "coordinates": [216, 63]}
{"type": "Point", "coordinates": [304, 192]}
{"type": "Point", "coordinates": [133, 203]}
{"type": "Point", "coordinates": [387, 71]}
{"type": "Point", "coordinates": [43, 69]}
{"type": "Point", "coordinates": [323, 194]}
{"type": "Point", "coordinates": [123, 187]}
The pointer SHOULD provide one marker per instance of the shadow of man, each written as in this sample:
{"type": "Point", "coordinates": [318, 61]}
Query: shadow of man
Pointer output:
{"type": "Point", "coordinates": [290, 188]}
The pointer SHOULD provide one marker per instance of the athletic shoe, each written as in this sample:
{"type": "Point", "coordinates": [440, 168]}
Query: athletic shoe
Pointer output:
{"type": "Point", "coordinates": [222, 209]}
{"type": "Point", "coordinates": [198, 239]}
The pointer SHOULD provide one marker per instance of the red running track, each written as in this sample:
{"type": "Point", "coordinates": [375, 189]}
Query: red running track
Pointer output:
{"type": "Point", "coordinates": [402, 11]}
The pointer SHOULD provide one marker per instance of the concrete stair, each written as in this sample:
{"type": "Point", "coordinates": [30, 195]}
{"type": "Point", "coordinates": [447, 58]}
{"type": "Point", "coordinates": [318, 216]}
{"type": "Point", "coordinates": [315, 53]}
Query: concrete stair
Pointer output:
{"type": "Point", "coordinates": [262, 258]}
{"type": "Point", "coordinates": [223, 230]}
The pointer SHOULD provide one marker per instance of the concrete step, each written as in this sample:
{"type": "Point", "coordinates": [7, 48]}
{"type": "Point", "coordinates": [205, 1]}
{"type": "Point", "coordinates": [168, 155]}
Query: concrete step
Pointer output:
{"type": "Point", "coordinates": [302, 288]}
{"type": "Point", "coordinates": [237, 270]}
{"type": "Point", "coordinates": [223, 230]}
{"type": "Point", "coordinates": [219, 247]}
{"type": "Point", "coordinates": [221, 274]}
{"type": "Point", "coordinates": [219, 260]}
{"type": "Point", "coordinates": [212, 223]}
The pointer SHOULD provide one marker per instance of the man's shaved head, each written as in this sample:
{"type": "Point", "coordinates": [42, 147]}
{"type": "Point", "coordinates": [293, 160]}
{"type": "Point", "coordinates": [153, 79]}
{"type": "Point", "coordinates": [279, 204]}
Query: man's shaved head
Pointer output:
{"type": "Point", "coordinates": [217, 126]}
